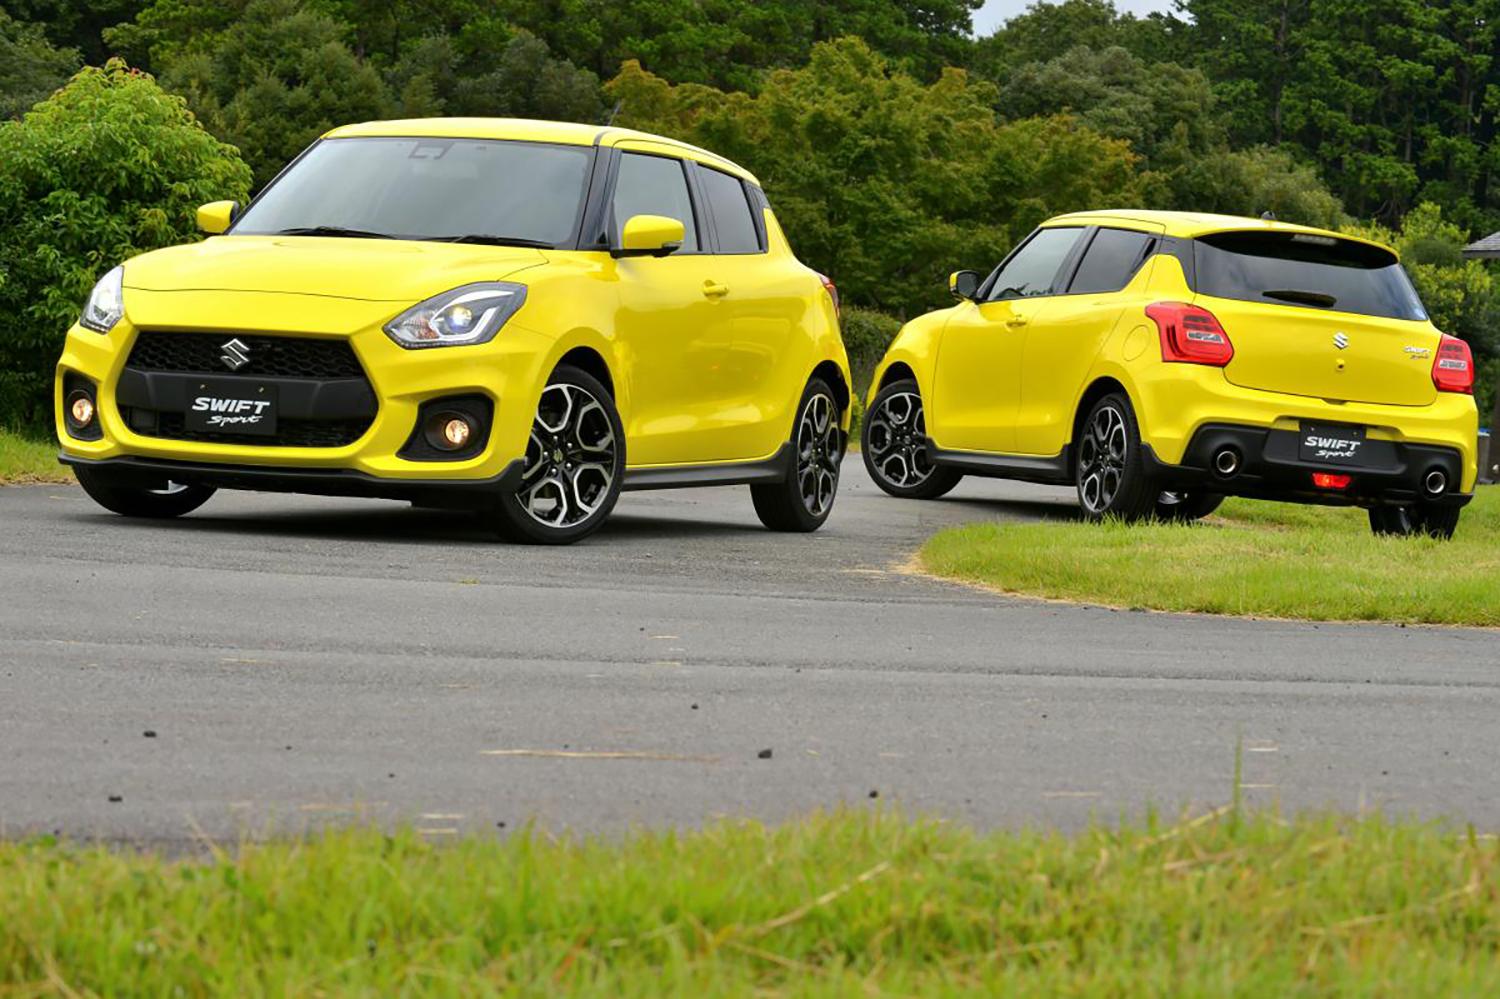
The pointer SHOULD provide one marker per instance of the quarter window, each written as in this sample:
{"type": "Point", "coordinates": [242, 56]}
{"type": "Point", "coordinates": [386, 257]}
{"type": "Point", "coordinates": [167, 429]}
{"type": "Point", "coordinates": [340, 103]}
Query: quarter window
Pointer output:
{"type": "Point", "coordinates": [1113, 257]}
{"type": "Point", "coordinates": [653, 185]}
{"type": "Point", "coordinates": [733, 222]}
{"type": "Point", "coordinates": [1033, 270]}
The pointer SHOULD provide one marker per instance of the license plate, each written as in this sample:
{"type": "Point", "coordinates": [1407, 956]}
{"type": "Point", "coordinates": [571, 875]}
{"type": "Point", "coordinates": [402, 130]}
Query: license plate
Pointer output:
{"type": "Point", "coordinates": [232, 406]}
{"type": "Point", "coordinates": [1331, 443]}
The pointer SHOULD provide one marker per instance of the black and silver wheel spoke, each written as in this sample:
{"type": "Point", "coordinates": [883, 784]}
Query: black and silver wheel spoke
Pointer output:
{"type": "Point", "coordinates": [897, 440]}
{"type": "Point", "coordinates": [1101, 460]}
{"type": "Point", "coordinates": [819, 450]}
{"type": "Point", "coordinates": [570, 458]}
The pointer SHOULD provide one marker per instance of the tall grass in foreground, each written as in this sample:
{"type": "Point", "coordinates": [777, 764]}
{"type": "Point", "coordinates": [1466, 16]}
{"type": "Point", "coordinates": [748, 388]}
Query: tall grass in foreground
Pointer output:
{"type": "Point", "coordinates": [849, 904]}
{"type": "Point", "coordinates": [29, 459]}
{"type": "Point", "coordinates": [1255, 558]}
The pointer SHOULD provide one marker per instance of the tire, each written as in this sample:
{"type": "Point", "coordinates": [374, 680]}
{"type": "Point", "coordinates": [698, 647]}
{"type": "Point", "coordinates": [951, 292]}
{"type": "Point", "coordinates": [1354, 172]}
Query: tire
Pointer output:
{"type": "Point", "coordinates": [893, 443]}
{"type": "Point", "coordinates": [132, 496]}
{"type": "Point", "coordinates": [1111, 472]}
{"type": "Point", "coordinates": [1184, 507]}
{"type": "Point", "coordinates": [1419, 519]}
{"type": "Point", "coordinates": [803, 499]}
{"type": "Point", "coordinates": [574, 464]}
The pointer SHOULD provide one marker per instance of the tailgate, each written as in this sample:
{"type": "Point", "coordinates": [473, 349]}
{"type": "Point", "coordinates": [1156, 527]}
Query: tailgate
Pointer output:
{"type": "Point", "coordinates": [1317, 316]}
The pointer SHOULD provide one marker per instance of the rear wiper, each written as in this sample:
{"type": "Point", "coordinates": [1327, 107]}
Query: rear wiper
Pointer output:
{"type": "Point", "coordinates": [489, 240]}
{"type": "Point", "coordinates": [332, 230]}
{"type": "Point", "coordinates": [1303, 297]}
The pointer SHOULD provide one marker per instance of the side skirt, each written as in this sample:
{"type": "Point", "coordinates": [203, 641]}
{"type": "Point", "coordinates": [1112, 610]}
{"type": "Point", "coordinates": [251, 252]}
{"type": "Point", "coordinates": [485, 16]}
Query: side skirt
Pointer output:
{"type": "Point", "coordinates": [1054, 471]}
{"type": "Point", "coordinates": [741, 473]}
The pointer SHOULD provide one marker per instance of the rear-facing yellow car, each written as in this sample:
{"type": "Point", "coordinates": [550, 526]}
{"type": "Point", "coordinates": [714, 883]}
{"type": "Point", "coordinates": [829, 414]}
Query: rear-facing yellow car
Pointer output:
{"type": "Point", "coordinates": [516, 317]}
{"type": "Point", "coordinates": [1161, 361]}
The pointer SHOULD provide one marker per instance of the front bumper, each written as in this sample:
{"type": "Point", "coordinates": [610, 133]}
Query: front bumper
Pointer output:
{"type": "Point", "coordinates": [508, 371]}
{"type": "Point", "coordinates": [1268, 467]}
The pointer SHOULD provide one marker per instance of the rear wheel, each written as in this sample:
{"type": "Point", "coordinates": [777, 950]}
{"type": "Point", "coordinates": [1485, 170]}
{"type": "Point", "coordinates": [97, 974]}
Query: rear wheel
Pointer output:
{"type": "Point", "coordinates": [893, 443]}
{"type": "Point", "coordinates": [130, 496]}
{"type": "Point", "coordinates": [804, 498]}
{"type": "Point", "coordinates": [575, 462]}
{"type": "Point", "coordinates": [1183, 506]}
{"type": "Point", "coordinates": [1415, 519]}
{"type": "Point", "coordinates": [1112, 475]}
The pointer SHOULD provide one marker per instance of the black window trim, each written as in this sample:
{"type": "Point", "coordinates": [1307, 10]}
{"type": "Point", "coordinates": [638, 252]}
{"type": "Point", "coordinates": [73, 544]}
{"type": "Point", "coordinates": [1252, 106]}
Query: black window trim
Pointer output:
{"type": "Point", "coordinates": [757, 215]}
{"type": "Point", "coordinates": [701, 222]}
{"type": "Point", "coordinates": [1153, 247]}
{"type": "Point", "coordinates": [1070, 262]}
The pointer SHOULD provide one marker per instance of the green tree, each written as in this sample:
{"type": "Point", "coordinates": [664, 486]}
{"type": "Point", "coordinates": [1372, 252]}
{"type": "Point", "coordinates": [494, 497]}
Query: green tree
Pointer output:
{"type": "Point", "coordinates": [76, 24]}
{"type": "Point", "coordinates": [519, 78]}
{"type": "Point", "coordinates": [1048, 30]}
{"type": "Point", "coordinates": [108, 167]}
{"type": "Point", "coordinates": [31, 67]}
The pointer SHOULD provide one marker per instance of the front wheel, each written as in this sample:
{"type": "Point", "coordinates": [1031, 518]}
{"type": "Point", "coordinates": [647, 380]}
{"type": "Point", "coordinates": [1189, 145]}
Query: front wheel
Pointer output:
{"type": "Point", "coordinates": [893, 443]}
{"type": "Point", "coordinates": [1112, 475]}
{"type": "Point", "coordinates": [803, 499]}
{"type": "Point", "coordinates": [574, 465]}
{"type": "Point", "coordinates": [1415, 519]}
{"type": "Point", "coordinates": [135, 497]}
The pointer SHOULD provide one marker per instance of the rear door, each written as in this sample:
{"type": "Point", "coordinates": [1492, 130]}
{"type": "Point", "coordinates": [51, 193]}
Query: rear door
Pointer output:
{"type": "Point", "coordinates": [1317, 316]}
{"type": "Point", "coordinates": [977, 386]}
{"type": "Point", "coordinates": [1061, 347]}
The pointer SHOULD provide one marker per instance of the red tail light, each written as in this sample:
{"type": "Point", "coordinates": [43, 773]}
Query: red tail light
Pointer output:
{"type": "Point", "coordinates": [833, 292]}
{"type": "Point", "coordinates": [1329, 480]}
{"type": "Point", "coordinates": [1453, 369]}
{"type": "Point", "coordinates": [1190, 335]}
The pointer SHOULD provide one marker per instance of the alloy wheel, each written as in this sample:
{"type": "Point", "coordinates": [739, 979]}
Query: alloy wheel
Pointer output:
{"type": "Point", "coordinates": [819, 450]}
{"type": "Point", "coordinates": [898, 440]}
{"type": "Point", "coordinates": [570, 458]}
{"type": "Point", "coordinates": [1101, 460]}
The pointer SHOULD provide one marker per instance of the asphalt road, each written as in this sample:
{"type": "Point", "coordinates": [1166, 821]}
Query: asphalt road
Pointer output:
{"type": "Point", "coordinates": [304, 660]}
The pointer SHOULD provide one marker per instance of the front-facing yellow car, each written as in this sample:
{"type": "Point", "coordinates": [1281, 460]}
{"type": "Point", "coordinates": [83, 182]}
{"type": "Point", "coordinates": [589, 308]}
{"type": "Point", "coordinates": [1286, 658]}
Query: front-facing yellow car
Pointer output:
{"type": "Point", "coordinates": [1161, 361]}
{"type": "Point", "coordinates": [516, 317]}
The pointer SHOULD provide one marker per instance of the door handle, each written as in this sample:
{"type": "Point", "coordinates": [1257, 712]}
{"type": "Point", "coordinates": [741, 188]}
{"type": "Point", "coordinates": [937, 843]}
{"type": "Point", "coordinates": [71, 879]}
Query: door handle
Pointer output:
{"type": "Point", "coordinates": [1016, 322]}
{"type": "Point", "coordinates": [714, 289]}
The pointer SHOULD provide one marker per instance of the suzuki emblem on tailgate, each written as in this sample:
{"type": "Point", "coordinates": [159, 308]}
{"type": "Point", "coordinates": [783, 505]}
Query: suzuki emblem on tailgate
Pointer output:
{"type": "Point", "coordinates": [1340, 340]}
{"type": "Point", "coordinates": [236, 355]}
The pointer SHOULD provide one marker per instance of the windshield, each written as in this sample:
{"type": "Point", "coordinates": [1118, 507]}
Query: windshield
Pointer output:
{"type": "Point", "coordinates": [1307, 271]}
{"type": "Point", "coordinates": [427, 189]}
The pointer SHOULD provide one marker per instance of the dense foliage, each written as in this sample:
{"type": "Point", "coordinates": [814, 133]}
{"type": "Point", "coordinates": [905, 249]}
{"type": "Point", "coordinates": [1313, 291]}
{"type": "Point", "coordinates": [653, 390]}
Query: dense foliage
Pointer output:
{"type": "Point", "coordinates": [107, 168]}
{"type": "Point", "coordinates": [895, 145]}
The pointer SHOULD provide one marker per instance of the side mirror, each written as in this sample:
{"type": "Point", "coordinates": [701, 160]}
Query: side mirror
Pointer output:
{"type": "Point", "coordinates": [964, 285]}
{"type": "Point", "coordinates": [215, 217]}
{"type": "Point", "coordinates": [649, 236]}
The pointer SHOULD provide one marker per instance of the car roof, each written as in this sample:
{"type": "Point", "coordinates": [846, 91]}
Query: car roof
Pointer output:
{"type": "Point", "coordinates": [566, 133]}
{"type": "Point", "coordinates": [1190, 224]}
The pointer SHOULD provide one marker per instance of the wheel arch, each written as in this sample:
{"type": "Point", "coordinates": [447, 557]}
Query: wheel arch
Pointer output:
{"type": "Point", "coordinates": [831, 373]}
{"type": "Point", "coordinates": [586, 358]}
{"type": "Point", "coordinates": [1100, 387]}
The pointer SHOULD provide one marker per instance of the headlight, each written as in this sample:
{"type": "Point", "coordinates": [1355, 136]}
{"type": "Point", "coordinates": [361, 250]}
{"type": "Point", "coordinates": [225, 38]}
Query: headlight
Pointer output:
{"type": "Point", "coordinates": [467, 315]}
{"type": "Point", "coordinates": [106, 304]}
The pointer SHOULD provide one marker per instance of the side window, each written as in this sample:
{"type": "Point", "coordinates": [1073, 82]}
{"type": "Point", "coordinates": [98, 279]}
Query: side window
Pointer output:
{"type": "Point", "coordinates": [730, 207]}
{"type": "Point", "coordinates": [1033, 269]}
{"type": "Point", "coordinates": [1111, 260]}
{"type": "Point", "coordinates": [653, 185]}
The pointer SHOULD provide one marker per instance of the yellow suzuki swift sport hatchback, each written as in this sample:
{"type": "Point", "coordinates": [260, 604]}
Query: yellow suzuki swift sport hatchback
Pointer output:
{"type": "Point", "coordinates": [1161, 361]}
{"type": "Point", "coordinates": [517, 317]}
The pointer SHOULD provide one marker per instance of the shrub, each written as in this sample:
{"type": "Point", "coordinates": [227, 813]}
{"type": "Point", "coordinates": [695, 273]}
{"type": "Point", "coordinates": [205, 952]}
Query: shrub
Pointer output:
{"type": "Point", "coordinates": [867, 334]}
{"type": "Point", "coordinates": [108, 167]}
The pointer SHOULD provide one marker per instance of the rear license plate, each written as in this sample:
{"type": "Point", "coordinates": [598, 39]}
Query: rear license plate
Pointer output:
{"type": "Point", "coordinates": [232, 406]}
{"type": "Point", "coordinates": [1332, 443]}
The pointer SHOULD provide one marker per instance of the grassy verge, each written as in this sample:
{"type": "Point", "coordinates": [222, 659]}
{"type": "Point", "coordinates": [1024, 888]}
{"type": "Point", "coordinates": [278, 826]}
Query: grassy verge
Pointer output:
{"type": "Point", "coordinates": [855, 903]}
{"type": "Point", "coordinates": [1270, 559]}
{"type": "Point", "coordinates": [26, 459]}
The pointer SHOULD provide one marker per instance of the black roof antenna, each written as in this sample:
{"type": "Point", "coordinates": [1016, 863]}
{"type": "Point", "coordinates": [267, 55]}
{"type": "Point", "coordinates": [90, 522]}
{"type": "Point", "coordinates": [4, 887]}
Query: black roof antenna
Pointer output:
{"type": "Point", "coordinates": [1264, 216]}
{"type": "Point", "coordinates": [618, 105]}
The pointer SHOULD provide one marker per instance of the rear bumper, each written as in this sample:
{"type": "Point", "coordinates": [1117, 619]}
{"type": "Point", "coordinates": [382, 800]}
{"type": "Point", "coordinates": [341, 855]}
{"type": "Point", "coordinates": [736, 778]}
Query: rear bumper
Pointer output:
{"type": "Point", "coordinates": [1268, 467]}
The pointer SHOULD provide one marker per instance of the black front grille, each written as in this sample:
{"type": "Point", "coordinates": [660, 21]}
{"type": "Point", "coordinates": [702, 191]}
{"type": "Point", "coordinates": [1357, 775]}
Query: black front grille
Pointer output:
{"type": "Point", "coordinates": [270, 356]}
{"type": "Point", "coordinates": [289, 433]}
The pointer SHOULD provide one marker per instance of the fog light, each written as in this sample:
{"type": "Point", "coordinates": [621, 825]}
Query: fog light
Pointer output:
{"type": "Point", "coordinates": [82, 410]}
{"type": "Point", "coordinates": [456, 432]}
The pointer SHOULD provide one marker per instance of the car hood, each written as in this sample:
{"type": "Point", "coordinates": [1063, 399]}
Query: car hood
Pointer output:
{"type": "Point", "coordinates": [371, 270]}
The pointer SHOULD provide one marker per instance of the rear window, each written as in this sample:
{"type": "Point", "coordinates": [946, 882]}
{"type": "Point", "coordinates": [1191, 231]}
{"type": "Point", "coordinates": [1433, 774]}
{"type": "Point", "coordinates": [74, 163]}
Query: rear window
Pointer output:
{"type": "Point", "coordinates": [1307, 271]}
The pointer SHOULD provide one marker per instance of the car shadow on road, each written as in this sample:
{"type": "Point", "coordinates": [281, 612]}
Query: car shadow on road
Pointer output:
{"type": "Point", "coordinates": [1062, 510]}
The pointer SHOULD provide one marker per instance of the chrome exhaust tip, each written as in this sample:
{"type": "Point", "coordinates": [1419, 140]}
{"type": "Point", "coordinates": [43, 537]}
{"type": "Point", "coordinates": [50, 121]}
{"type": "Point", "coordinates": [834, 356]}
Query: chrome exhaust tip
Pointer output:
{"type": "Point", "coordinates": [1436, 482]}
{"type": "Point", "coordinates": [1227, 462]}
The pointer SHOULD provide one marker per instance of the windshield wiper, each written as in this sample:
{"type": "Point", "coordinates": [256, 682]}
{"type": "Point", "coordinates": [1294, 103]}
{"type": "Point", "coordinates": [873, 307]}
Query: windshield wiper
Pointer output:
{"type": "Point", "coordinates": [489, 240]}
{"type": "Point", "coordinates": [1302, 297]}
{"type": "Point", "coordinates": [332, 230]}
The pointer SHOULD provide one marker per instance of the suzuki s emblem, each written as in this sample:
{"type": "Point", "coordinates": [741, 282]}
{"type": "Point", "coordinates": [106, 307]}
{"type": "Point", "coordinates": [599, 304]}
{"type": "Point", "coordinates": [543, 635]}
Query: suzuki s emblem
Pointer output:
{"type": "Point", "coordinates": [1340, 340]}
{"type": "Point", "coordinates": [236, 355]}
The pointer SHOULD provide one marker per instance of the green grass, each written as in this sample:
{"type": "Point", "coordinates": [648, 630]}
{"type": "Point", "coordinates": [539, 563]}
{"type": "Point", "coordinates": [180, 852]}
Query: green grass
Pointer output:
{"type": "Point", "coordinates": [1252, 558]}
{"type": "Point", "coordinates": [849, 904]}
{"type": "Point", "coordinates": [27, 459]}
